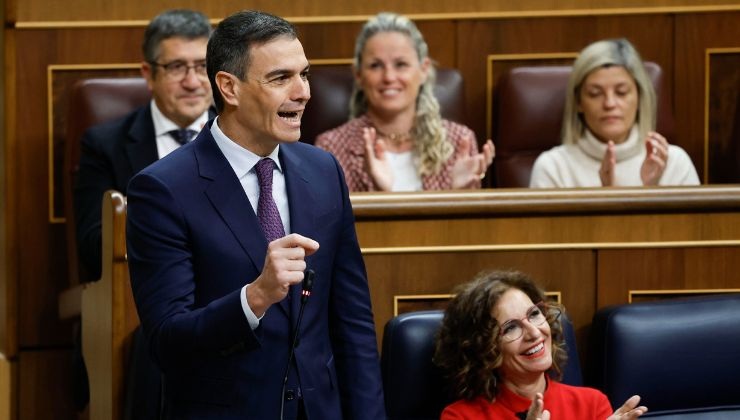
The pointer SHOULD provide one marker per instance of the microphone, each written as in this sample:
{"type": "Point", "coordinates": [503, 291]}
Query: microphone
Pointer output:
{"type": "Point", "coordinates": [306, 288]}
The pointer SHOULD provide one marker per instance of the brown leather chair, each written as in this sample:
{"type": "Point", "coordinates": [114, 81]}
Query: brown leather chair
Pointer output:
{"type": "Point", "coordinates": [331, 89]}
{"type": "Point", "coordinates": [92, 101]}
{"type": "Point", "coordinates": [527, 108]}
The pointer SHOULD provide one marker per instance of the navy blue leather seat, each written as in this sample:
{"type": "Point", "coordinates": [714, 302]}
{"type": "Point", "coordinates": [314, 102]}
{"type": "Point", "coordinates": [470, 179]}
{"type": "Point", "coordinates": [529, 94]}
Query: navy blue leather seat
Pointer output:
{"type": "Point", "coordinates": [414, 387]}
{"type": "Point", "coordinates": [680, 356]}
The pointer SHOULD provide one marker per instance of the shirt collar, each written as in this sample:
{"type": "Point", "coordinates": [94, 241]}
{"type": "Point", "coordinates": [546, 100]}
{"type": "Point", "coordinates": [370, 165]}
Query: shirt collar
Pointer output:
{"type": "Point", "coordinates": [163, 125]}
{"type": "Point", "coordinates": [241, 160]}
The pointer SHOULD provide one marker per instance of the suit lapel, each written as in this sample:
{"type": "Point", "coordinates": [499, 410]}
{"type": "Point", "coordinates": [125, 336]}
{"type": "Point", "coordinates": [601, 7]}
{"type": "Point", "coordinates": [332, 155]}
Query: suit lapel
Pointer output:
{"type": "Point", "coordinates": [141, 147]}
{"type": "Point", "coordinates": [302, 208]}
{"type": "Point", "coordinates": [228, 198]}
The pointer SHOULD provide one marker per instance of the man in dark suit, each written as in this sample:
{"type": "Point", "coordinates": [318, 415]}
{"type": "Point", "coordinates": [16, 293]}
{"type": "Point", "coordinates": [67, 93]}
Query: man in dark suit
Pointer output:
{"type": "Point", "coordinates": [216, 280]}
{"type": "Point", "coordinates": [174, 67]}
{"type": "Point", "coordinates": [174, 50]}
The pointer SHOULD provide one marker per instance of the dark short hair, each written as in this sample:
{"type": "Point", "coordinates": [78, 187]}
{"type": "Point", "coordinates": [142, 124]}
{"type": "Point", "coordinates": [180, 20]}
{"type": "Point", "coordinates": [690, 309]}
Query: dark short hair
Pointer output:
{"type": "Point", "coordinates": [468, 349]}
{"type": "Point", "coordinates": [177, 23]}
{"type": "Point", "coordinates": [228, 48]}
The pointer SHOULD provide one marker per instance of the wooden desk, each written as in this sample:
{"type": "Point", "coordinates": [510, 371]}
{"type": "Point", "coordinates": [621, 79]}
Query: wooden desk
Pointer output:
{"type": "Point", "coordinates": [595, 247]}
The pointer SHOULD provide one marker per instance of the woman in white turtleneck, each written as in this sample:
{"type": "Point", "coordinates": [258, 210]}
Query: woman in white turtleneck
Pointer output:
{"type": "Point", "coordinates": [608, 123]}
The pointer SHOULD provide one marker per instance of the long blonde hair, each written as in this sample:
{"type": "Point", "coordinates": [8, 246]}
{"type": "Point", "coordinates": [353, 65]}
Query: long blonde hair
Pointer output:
{"type": "Point", "coordinates": [610, 52]}
{"type": "Point", "coordinates": [430, 136]}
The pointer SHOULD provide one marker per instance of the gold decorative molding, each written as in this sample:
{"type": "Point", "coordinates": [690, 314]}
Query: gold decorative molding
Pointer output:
{"type": "Point", "coordinates": [50, 70]}
{"type": "Point", "coordinates": [491, 58]}
{"type": "Point", "coordinates": [399, 299]}
{"type": "Point", "coordinates": [631, 294]}
{"type": "Point", "coordinates": [546, 247]}
{"type": "Point", "coordinates": [707, 73]}
{"type": "Point", "coordinates": [527, 14]}
{"type": "Point", "coordinates": [330, 61]}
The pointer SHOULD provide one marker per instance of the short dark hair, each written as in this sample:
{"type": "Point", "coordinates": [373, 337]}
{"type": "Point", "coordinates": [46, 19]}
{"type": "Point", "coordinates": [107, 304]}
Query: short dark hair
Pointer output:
{"type": "Point", "coordinates": [228, 48]}
{"type": "Point", "coordinates": [468, 349]}
{"type": "Point", "coordinates": [180, 23]}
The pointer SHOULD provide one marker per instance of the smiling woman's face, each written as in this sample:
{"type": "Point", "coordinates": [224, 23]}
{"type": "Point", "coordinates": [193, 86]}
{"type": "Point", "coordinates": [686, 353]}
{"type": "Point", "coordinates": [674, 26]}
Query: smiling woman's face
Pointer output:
{"type": "Point", "coordinates": [529, 355]}
{"type": "Point", "coordinates": [608, 99]}
{"type": "Point", "coordinates": [391, 73]}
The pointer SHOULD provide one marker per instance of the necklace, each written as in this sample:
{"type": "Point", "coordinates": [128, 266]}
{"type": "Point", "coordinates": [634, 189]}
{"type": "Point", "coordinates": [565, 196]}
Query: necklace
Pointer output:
{"type": "Point", "coordinates": [396, 139]}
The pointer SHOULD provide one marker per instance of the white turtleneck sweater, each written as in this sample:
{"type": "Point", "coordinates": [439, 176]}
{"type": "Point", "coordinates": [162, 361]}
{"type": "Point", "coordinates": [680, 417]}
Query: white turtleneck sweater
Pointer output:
{"type": "Point", "coordinates": [577, 165]}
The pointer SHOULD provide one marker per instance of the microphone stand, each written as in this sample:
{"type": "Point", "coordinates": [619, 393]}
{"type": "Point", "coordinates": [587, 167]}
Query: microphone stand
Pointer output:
{"type": "Point", "coordinates": [307, 285]}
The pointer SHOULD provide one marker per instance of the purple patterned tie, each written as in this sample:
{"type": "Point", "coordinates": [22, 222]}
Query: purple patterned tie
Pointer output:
{"type": "Point", "coordinates": [182, 135]}
{"type": "Point", "coordinates": [267, 211]}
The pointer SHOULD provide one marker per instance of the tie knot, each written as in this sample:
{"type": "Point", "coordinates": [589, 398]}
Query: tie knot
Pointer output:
{"type": "Point", "coordinates": [264, 171]}
{"type": "Point", "coordinates": [182, 135]}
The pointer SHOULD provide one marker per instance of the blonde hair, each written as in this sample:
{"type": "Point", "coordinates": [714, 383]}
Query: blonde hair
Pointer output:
{"type": "Point", "coordinates": [430, 136]}
{"type": "Point", "coordinates": [601, 54]}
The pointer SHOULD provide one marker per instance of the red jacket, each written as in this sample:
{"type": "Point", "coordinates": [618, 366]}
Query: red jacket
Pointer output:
{"type": "Point", "coordinates": [564, 402]}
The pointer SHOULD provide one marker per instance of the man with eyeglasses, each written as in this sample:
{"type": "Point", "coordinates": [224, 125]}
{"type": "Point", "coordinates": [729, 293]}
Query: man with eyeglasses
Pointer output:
{"type": "Point", "coordinates": [112, 153]}
{"type": "Point", "coordinates": [174, 67]}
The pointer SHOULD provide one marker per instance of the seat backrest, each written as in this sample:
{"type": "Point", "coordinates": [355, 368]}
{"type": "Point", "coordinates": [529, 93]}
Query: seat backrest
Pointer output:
{"type": "Point", "coordinates": [676, 354]}
{"type": "Point", "coordinates": [92, 101]}
{"type": "Point", "coordinates": [528, 105]}
{"type": "Point", "coordinates": [414, 387]}
{"type": "Point", "coordinates": [331, 89]}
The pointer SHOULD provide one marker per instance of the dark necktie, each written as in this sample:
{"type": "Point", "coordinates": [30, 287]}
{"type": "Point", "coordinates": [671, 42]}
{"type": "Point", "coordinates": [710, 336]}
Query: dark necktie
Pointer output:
{"type": "Point", "coordinates": [267, 211]}
{"type": "Point", "coordinates": [182, 135]}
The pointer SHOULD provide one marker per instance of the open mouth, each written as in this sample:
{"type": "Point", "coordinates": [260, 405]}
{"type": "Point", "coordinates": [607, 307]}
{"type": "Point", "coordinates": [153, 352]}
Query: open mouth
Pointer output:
{"type": "Point", "coordinates": [535, 350]}
{"type": "Point", "coordinates": [291, 116]}
{"type": "Point", "coordinates": [390, 92]}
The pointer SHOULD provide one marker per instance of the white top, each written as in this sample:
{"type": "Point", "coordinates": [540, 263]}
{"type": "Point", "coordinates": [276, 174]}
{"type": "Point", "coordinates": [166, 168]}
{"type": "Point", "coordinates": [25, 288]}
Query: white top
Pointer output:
{"type": "Point", "coordinates": [405, 175]}
{"type": "Point", "coordinates": [242, 161]}
{"type": "Point", "coordinates": [163, 125]}
{"type": "Point", "coordinates": [577, 165]}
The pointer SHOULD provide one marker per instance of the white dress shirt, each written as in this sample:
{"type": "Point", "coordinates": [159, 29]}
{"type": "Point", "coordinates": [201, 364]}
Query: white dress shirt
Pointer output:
{"type": "Point", "coordinates": [242, 161]}
{"type": "Point", "coordinates": [163, 125]}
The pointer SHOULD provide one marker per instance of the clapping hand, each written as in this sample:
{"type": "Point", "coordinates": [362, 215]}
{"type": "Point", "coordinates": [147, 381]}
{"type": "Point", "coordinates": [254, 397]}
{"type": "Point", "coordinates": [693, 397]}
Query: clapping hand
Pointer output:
{"type": "Point", "coordinates": [536, 410]}
{"type": "Point", "coordinates": [629, 410]}
{"type": "Point", "coordinates": [375, 160]}
{"type": "Point", "coordinates": [655, 159]}
{"type": "Point", "coordinates": [469, 169]}
{"type": "Point", "coordinates": [652, 167]}
{"type": "Point", "coordinates": [608, 165]}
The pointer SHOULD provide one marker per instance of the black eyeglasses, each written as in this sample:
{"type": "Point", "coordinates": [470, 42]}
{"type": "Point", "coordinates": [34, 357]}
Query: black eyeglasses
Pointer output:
{"type": "Point", "coordinates": [513, 329]}
{"type": "Point", "coordinates": [178, 70]}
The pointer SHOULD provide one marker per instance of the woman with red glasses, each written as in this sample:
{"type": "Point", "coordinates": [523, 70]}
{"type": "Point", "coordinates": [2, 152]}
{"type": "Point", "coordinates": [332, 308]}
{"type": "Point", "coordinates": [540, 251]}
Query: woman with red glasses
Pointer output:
{"type": "Point", "coordinates": [501, 347]}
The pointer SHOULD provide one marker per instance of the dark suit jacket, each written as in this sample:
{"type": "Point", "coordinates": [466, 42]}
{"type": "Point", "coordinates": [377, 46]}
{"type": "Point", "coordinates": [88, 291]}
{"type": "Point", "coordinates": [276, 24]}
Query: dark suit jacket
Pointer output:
{"type": "Point", "coordinates": [194, 241]}
{"type": "Point", "coordinates": [111, 154]}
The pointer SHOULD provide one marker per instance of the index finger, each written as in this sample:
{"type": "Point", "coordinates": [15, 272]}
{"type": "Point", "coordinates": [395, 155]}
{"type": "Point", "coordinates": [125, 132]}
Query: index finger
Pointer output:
{"type": "Point", "coordinates": [293, 240]}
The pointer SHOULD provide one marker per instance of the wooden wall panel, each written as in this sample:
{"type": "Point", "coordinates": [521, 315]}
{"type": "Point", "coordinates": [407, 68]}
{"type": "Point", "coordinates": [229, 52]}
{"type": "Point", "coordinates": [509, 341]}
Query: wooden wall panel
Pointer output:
{"type": "Point", "coordinates": [45, 385]}
{"type": "Point", "coordinates": [42, 245]}
{"type": "Point", "coordinates": [8, 208]}
{"type": "Point", "coordinates": [694, 35]}
{"type": "Point", "coordinates": [4, 280]}
{"type": "Point", "coordinates": [337, 40]}
{"type": "Point", "coordinates": [723, 114]}
{"type": "Point", "coordinates": [620, 271]}
{"type": "Point", "coordinates": [102, 10]}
